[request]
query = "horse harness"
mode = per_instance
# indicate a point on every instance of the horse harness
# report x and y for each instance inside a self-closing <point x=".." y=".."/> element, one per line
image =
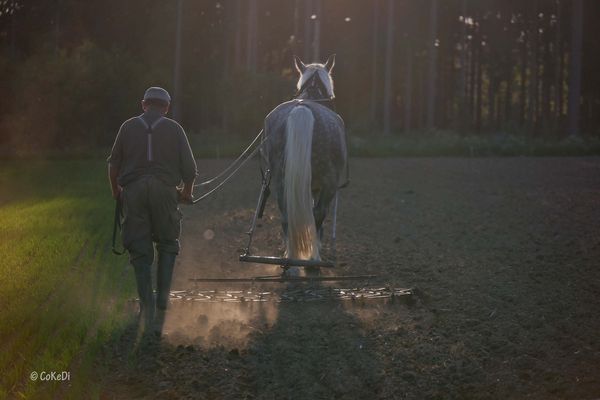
<point x="316" y="91"/>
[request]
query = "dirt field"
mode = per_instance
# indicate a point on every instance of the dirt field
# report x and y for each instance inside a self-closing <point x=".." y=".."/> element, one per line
<point x="502" y="253"/>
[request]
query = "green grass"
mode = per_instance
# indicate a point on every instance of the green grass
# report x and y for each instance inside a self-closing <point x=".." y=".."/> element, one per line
<point x="62" y="292"/>
<point x="217" y="145"/>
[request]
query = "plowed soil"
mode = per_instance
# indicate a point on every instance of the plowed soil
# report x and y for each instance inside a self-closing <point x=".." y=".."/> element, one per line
<point x="503" y="256"/>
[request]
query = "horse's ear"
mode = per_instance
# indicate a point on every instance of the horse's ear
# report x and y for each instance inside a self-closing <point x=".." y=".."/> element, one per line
<point x="299" y="64"/>
<point x="330" y="63"/>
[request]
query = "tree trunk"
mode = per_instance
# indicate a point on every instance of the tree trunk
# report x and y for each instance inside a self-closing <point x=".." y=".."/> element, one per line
<point x="508" y="95"/>
<point x="57" y="28"/>
<point x="13" y="31"/>
<point x="308" y="11"/>
<point x="445" y="91"/>
<point x="533" y="70"/>
<point x="523" y="89"/>
<point x="472" y="76"/>
<point x="238" y="34"/>
<point x="251" y="39"/>
<point x="408" y="89"/>
<point x="432" y="75"/>
<point x="479" y="83"/>
<point x="546" y="119"/>
<point x="575" y="67"/>
<point x="561" y="84"/>
<point x="558" y="53"/>
<point x="316" y="44"/>
<point x="177" y="65"/>
<point x="389" y="52"/>
<point x="492" y="82"/>
<point x="462" y="86"/>
<point x="561" y="74"/>
<point x="229" y="25"/>
<point x="295" y="48"/>
<point x="374" y="54"/>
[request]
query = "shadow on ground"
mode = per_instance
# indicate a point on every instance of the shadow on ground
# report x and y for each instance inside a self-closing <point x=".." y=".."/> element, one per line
<point x="318" y="350"/>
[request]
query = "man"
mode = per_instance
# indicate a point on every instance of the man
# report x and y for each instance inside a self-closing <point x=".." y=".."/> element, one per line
<point x="150" y="158"/>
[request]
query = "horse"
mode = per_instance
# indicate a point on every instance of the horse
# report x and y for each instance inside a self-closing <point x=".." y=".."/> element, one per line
<point x="304" y="148"/>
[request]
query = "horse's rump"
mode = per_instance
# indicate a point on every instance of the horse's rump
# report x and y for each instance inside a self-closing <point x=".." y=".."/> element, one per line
<point x="329" y="151"/>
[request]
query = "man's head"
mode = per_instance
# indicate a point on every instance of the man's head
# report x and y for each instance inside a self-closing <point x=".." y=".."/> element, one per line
<point x="156" y="98"/>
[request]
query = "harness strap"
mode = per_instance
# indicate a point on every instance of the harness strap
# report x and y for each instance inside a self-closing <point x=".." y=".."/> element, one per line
<point x="149" y="129"/>
<point x="312" y="81"/>
<point x="347" y="182"/>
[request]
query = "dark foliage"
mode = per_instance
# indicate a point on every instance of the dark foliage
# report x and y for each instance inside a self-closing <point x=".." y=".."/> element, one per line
<point x="73" y="71"/>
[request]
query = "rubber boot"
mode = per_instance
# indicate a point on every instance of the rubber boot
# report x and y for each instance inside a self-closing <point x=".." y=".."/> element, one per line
<point x="143" y="277"/>
<point x="164" y="274"/>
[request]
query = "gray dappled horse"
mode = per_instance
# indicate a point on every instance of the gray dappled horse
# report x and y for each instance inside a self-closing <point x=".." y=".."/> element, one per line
<point x="305" y="149"/>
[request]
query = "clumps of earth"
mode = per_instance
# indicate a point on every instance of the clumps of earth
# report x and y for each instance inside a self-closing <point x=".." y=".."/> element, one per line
<point x="502" y="254"/>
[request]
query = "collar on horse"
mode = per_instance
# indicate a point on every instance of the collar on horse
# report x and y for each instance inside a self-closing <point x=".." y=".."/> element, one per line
<point x="316" y="91"/>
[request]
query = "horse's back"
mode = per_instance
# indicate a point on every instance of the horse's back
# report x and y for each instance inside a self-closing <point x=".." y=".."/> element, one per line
<point x="328" y="119"/>
<point x="329" y="138"/>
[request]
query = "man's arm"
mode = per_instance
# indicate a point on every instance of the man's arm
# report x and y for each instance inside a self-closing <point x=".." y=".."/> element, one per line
<point x="114" y="162"/>
<point x="189" y="169"/>
<point x="113" y="173"/>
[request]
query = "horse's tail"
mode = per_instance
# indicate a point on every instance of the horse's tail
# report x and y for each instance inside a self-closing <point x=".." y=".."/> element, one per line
<point x="302" y="241"/>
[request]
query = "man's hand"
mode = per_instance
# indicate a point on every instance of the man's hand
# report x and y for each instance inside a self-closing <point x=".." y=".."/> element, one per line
<point x="115" y="188"/>
<point x="185" y="193"/>
<point x="116" y="192"/>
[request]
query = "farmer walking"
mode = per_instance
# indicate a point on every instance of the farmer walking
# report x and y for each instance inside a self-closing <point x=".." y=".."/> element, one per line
<point x="150" y="158"/>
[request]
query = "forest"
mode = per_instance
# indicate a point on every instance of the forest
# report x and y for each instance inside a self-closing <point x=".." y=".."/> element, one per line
<point x="72" y="71"/>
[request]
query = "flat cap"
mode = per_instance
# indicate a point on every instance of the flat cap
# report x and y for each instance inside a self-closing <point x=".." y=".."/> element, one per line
<point x="157" y="93"/>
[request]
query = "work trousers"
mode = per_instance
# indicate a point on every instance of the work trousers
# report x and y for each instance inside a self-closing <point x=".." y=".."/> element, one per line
<point x="151" y="215"/>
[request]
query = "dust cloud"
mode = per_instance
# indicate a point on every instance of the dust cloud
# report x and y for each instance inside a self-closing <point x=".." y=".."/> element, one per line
<point x="217" y="324"/>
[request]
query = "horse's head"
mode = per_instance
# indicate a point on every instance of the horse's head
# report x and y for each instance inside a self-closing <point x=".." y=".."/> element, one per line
<point x="315" y="79"/>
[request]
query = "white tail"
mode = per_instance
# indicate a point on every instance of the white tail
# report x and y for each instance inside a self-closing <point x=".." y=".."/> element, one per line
<point x="302" y="237"/>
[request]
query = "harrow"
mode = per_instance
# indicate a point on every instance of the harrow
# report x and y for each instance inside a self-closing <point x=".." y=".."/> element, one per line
<point x="300" y="295"/>
<point x="283" y="262"/>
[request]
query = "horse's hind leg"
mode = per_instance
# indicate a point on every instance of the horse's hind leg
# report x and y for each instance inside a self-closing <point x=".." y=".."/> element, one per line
<point x="323" y="198"/>
<point x="292" y="271"/>
<point x="278" y="186"/>
<point x="320" y="209"/>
